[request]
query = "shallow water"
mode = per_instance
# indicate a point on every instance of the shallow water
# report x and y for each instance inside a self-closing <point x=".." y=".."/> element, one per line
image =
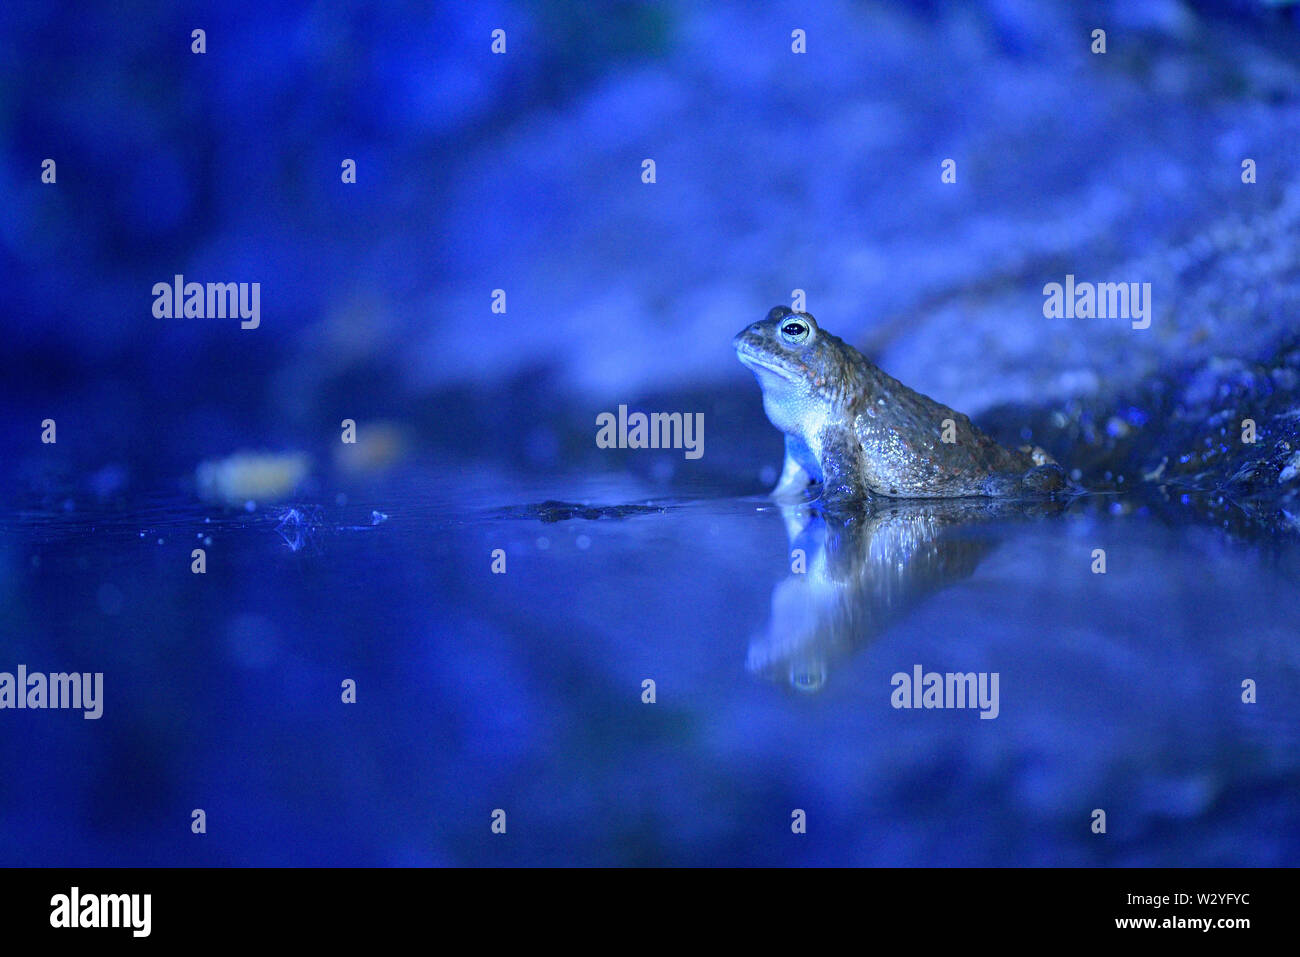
<point x="523" y="691"/>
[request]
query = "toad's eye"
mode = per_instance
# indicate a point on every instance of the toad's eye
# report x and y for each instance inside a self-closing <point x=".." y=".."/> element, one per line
<point x="794" y="331"/>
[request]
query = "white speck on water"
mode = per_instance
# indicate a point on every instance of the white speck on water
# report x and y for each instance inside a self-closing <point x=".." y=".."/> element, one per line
<point x="583" y="542"/>
<point x="543" y="542"/>
<point x="377" y="517"/>
<point x="160" y="541"/>
<point x="250" y="506"/>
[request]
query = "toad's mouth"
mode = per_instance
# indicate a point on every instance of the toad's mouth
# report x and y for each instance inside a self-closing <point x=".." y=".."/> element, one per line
<point x="759" y="361"/>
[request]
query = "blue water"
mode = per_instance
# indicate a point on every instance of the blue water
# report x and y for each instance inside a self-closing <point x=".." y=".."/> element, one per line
<point x="523" y="691"/>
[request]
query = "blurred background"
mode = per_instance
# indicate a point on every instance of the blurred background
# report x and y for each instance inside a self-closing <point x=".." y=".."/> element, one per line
<point x="522" y="171"/>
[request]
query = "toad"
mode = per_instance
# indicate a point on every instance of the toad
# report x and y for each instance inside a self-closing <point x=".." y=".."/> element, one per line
<point x="859" y="432"/>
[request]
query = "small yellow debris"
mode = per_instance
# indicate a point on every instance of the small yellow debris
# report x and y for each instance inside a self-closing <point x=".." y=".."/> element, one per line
<point x="379" y="446"/>
<point x="251" y="476"/>
<point x="1038" y="455"/>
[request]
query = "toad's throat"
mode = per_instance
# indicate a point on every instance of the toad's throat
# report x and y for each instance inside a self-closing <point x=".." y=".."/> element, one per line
<point x="751" y="360"/>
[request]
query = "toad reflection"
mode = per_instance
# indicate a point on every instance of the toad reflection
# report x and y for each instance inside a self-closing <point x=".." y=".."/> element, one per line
<point x="866" y="569"/>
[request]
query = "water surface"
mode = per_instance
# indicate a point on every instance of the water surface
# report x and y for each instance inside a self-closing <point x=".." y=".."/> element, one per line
<point x="523" y="691"/>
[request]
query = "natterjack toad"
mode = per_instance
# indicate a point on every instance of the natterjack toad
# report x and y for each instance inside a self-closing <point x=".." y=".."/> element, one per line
<point x="860" y="432"/>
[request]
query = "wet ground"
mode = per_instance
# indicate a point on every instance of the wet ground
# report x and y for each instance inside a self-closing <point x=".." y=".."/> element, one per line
<point x="523" y="690"/>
